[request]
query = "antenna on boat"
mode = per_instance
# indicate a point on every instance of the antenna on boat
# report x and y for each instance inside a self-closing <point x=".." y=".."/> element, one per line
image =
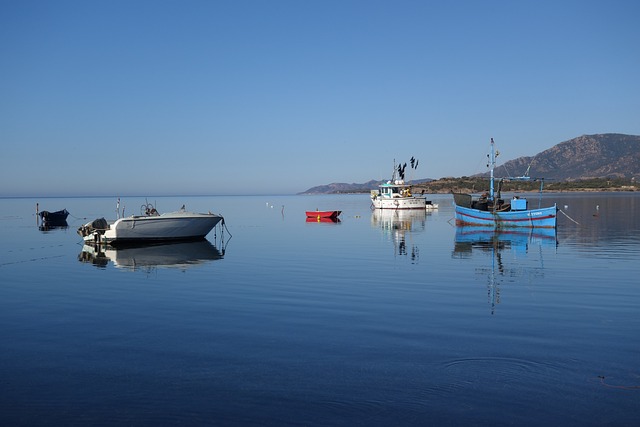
<point x="395" y="170"/>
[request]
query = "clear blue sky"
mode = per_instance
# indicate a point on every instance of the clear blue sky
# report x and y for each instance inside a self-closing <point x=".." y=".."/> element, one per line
<point x="273" y="97"/>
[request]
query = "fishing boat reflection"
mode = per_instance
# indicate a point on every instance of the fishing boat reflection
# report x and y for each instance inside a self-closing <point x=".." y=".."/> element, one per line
<point x="516" y="255"/>
<point x="401" y="226"/>
<point x="169" y="255"/>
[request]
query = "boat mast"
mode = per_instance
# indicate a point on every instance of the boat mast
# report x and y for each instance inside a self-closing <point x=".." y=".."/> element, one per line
<point x="492" y="164"/>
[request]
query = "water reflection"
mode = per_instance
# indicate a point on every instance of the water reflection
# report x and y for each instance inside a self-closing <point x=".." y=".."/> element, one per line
<point x="324" y="220"/>
<point x="525" y="247"/>
<point x="169" y="255"/>
<point x="401" y="226"/>
<point x="52" y="225"/>
<point x="600" y="223"/>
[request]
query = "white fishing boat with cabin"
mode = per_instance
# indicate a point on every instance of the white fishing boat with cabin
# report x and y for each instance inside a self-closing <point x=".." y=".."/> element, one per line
<point x="397" y="194"/>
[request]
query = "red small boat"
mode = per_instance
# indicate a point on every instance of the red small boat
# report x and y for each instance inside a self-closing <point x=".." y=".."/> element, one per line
<point x="323" y="214"/>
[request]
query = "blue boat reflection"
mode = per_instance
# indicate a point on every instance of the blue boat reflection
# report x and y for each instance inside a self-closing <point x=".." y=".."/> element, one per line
<point x="468" y="238"/>
<point x="524" y="245"/>
<point x="170" y="255"/>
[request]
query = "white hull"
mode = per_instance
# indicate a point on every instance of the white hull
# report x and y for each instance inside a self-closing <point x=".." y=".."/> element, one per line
<point x="399" y="203"/>
<point x="166" y="227"/>
<point x="395" y="203"/>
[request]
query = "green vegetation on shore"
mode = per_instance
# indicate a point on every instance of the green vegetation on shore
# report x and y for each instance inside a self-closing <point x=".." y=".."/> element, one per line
<point x="477" y="184"/>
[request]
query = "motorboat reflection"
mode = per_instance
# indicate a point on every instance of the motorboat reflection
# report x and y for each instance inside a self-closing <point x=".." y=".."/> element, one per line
<point x="516" y="254"/>
<point x="161" y="255"/>
<point x="400" y="226"/>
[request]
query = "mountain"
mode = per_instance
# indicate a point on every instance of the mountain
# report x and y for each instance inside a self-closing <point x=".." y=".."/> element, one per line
<point x="341" y="187"/>
<point x="609" y="155"/>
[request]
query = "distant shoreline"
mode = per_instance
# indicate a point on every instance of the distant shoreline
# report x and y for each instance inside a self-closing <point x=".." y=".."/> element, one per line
<point x="469" y="191"/>
<point x="417" y="191"/>
<point x="480" y="184"/>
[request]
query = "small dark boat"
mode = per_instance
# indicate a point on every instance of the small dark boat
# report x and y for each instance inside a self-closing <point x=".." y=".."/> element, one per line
<point x="323" y="214"/>
<point x="52" y="218"/>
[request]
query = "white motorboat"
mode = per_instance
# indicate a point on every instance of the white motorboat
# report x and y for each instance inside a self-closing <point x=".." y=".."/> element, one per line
<point x="151" y="227"/>
<point x="397" y="194"/>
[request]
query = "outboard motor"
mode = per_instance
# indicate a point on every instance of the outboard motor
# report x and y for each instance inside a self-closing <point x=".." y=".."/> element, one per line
<point x="96" y="226"/>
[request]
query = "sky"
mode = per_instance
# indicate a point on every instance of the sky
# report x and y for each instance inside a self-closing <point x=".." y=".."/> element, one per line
<point x="136" y="97"/>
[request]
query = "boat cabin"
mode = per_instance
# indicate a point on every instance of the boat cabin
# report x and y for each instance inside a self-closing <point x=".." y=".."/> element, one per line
<point x="518" y="204"/>
<point x="396" y="189"/>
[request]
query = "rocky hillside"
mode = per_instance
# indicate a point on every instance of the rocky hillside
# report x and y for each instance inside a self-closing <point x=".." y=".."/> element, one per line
<point x="608" y="155"/>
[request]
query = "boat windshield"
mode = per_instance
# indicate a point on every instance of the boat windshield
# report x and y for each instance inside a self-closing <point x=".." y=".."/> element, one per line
<point x="389" y="190"/>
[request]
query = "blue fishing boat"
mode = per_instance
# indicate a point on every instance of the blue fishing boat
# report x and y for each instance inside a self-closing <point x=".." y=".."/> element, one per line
<point x="487" y="210"/>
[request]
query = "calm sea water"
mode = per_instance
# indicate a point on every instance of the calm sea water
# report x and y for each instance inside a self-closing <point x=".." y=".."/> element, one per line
<point x="381" y="319"/>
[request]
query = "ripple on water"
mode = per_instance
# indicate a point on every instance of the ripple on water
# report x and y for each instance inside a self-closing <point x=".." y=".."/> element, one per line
<point x="475" y="371"/>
